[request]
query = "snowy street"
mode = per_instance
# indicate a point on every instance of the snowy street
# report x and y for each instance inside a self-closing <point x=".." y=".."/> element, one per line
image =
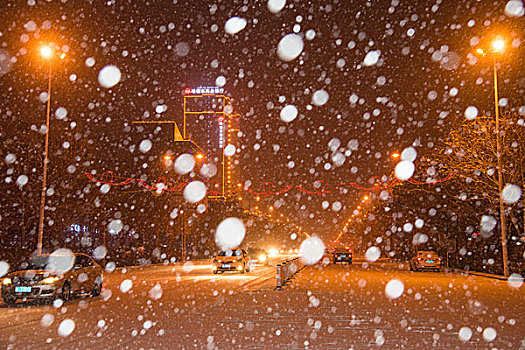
<point x="274" y="174"/>
<point x="324" y="307"/>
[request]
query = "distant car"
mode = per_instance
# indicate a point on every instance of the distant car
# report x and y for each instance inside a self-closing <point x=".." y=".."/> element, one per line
<point x="342" y="255"/>
<point x="53" y="276"/>
<point x="232" y="260"/>
<point x="259" y="256"/>
<point x="425" y="260"/>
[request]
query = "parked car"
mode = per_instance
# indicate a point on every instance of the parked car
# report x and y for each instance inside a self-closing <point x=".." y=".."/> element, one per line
<point x="425" y="260"/>
<point x="342" y="255"/>
<point x="53" y="276"/>
<point x="259" y="256"/>
<point x="232" y="260"/>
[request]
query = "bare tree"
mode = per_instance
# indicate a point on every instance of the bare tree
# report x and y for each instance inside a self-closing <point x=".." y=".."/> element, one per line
<point x="471" y="151"/>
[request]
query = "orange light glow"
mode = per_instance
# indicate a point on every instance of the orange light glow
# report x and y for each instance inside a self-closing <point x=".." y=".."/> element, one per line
<point x="166" y="157"/>
<point x="46" y="51"/>
<point x="395" y="155"/>
<point x="498" y="45"/>
<point x="199" y="156"/>
<point x="480" y="51"/>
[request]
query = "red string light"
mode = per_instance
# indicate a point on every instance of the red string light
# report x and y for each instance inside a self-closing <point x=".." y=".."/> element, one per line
<point x="320" y="187"/>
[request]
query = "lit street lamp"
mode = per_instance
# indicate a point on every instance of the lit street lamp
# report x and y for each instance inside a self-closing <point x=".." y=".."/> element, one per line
<point x="47" y="53"/>
<point x="498" y="46"/>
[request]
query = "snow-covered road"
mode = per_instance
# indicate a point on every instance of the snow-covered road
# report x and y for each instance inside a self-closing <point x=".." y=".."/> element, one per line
<point x="324" y="307"/>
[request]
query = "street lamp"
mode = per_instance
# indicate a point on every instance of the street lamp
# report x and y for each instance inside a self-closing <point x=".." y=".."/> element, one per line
<point x="498" y="46"/>
<point x="47" y="53"/>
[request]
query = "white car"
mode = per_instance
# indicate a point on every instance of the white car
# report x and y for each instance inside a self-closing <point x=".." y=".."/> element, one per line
<point x="232" y="260"/>
<point x="53" y="276"/>
<point x="425" y="260"/>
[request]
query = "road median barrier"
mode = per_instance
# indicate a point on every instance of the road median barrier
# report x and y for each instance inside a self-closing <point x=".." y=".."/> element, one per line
<point x="286" y="270"/>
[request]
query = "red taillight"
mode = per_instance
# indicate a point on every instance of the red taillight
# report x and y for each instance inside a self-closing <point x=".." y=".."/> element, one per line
<point x="419" y="259"/>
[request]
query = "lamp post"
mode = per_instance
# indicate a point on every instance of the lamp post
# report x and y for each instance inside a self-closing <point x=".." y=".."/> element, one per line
<point x="498" y="46"/>
<point x="47" y="53"/>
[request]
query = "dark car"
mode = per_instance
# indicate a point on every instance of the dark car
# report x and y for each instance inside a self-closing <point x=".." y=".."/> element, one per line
<point x="342" y="255"/>
<point x="53" y="276"/>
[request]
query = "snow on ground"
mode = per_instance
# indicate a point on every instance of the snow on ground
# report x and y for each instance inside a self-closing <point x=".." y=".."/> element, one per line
<point x="330" y="307"/>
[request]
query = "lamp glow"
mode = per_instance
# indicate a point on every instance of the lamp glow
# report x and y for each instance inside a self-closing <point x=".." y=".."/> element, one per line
<point x="498" y="45"/>
<point x="46" y="51"/>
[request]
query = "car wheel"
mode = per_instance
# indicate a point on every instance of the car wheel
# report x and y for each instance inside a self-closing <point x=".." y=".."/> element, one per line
<point x="243" y="269"/>
<point x="215" y="272"/>
<point x="97" y="289"/>
<point x="66" y="292"/>
<point x="10" y="301"/>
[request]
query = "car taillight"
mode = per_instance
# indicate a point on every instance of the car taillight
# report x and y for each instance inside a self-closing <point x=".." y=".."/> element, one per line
<point x="419" y="259"/>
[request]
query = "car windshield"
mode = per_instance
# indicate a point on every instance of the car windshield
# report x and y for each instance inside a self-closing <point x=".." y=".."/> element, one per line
<point x="38" y="263"/>
<point x="47" y="262"/>
<point x="341" y="251"/>
<point x="165" y="144"/>
<point x="236" y="252"/>
<point x="428" y="254"/>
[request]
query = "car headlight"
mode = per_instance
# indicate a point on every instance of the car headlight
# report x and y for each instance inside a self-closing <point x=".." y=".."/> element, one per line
<point x="50" y="280"/>
<point x="6" y="281"/>
<point x="262" y="257"/>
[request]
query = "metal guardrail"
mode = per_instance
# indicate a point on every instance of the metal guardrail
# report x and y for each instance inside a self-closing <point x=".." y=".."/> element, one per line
<point x="286" y="270"/>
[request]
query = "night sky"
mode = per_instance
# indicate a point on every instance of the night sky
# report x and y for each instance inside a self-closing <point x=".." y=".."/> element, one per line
<point x="425" y="78"/>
